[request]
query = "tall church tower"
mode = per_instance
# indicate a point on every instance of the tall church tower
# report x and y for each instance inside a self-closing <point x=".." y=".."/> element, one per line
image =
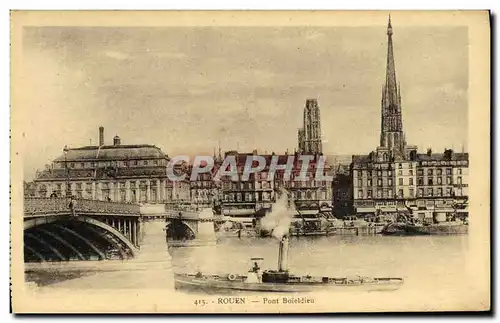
<point x="310" y="135"/>
<point x="391" y="134"/>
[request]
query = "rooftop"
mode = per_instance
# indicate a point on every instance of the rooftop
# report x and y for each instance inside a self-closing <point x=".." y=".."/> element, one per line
<point x="112" y="152"/>
<point x="420" y="157"/>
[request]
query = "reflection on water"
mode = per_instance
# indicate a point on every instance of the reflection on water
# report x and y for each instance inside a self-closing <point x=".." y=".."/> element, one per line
<point x="426" y="262"/>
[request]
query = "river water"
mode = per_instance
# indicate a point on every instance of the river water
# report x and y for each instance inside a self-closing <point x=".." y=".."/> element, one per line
<point x="425" y="262"/>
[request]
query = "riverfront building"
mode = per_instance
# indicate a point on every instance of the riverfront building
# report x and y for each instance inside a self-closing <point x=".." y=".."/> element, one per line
<point x="245" y="198"/>
<point x="204" y="191"/>
<point x="117" y="172"/>
<point x="396" y="178"/>
<point x="255" y="195"/>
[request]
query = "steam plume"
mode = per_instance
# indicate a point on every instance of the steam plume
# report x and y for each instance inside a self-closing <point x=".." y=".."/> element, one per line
<point x="279" y="219"/>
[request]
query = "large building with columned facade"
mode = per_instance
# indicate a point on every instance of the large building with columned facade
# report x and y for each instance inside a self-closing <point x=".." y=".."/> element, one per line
<point x="116" y="172"/>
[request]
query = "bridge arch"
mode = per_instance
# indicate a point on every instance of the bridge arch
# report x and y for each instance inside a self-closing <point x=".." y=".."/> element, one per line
<point x="180" y="229"/>
<point x="61" y="233"/>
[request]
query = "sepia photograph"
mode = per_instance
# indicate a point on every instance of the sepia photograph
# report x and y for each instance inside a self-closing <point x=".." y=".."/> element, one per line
<point x="250" y="162"/>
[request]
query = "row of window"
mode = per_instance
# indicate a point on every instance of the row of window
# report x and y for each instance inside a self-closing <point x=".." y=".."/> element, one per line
<point x="420" y="181"/>
<point x="121" y="196"/>
<point x="247" y="197"/>
<point x="411" y="193"/>
<point x="439" y="181"/>
<point x="88" y="186"/>
<point x="124" y="163"/>
<point x="266" y="196"/>
<point x="202" y="184"/>
<point x="380" y="182"/>
<point x="420" y="172"/>
<point x="268" y="185"/>
<point x="445" y="162"/>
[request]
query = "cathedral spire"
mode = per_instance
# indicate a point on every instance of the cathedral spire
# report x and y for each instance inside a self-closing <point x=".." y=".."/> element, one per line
<point x="391" y="136"/>
<point x="390" y="78"/>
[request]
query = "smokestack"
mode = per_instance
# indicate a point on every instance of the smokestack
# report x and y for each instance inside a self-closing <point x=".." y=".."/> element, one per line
<point x="283" y="254"/>
<point x="101" y="136"/>
<point x="116" y="141"/>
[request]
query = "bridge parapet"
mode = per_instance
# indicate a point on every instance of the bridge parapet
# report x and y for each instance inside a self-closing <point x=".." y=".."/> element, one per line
<point x="60" y="205"/>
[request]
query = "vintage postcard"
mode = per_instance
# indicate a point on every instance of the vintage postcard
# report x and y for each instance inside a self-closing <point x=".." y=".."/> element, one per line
<point x="250" y="162"/>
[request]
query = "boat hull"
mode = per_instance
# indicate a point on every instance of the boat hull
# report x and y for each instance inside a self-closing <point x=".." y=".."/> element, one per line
<point x="403" y="229"/>
<point x="184" y="281"/>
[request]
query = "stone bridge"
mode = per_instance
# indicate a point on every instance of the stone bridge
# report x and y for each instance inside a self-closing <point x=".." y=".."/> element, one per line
<point x="59" y="229"/>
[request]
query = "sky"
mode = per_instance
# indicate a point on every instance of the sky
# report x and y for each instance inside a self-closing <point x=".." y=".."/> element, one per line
<point x="186" y="89"/>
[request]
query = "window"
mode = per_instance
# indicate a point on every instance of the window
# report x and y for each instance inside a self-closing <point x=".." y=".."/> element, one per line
<point x="360" y="173"/>
<point x="156" y="162"/>
<point x="420" y="192"/>
<point x="459" y="171"/>
<point x="412" y="192"/>
<point x="411" y="180"/>
<point x="449" y="191"/>
<point x="460" y="192"/>
<point x="379" y="182"/>
<point x="400" y="173"/>
<point x="370" y="182"/>
<point x="430" y="181"/>
<point x="400" y="193"/>
<point x="389" y="173"/>
<point x="448" y="171"/>
<point x="379" y="193"/>
<point x="134" y="162"/>
<point x="400" y="181"/>
<point x="82" y="165"/>
<point x="145" y="163"/>
<point x="411" y="172"/>
<point x="429" y="172"/>
<point x="439" y="172"/>
<point x="72" y="165"/>
<point x="459" y="180"/>
<point x="369" y="195"/>
<point x="360" y="182"/>
<point x="389" y="193"/>
<point x="440" y="192"/>
<point x="429" y="191"/>
<point x="400" y="166"/>
<point x="390" y="182"/>
<point x="439" y="181"/>
<point x="448" y="180"/>
<point x="420" y="181"/>
<point x="369" y="173"/>
<point x="379" y="173"/>
<point x="420" y="172"/>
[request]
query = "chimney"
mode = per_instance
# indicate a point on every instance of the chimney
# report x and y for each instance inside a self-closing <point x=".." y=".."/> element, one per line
<point x="117" y="141"/>
<point x="448" y="154"/>
<point x="429" y="152"/>
<point x="283" y="254"/>
<point x="101" y="136"/>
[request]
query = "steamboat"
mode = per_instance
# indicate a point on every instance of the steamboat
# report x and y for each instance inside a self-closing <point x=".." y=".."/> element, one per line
<point x="280" y="280"/>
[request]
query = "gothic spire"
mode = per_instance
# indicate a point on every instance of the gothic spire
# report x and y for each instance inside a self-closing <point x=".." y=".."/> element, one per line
<point x="391" y="135"/>
<point x="390" y="80"/>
